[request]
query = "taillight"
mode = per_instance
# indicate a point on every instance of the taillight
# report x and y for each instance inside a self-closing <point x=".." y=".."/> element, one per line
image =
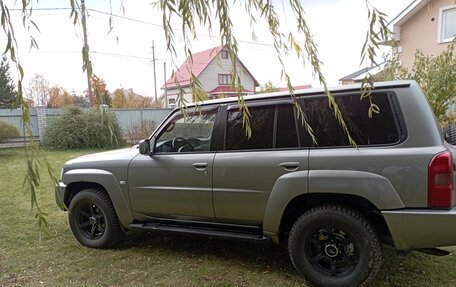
<point x="440" y="181"/>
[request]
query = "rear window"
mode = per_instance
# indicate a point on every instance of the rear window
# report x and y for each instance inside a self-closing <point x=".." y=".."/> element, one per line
<point x="381" y="129"/>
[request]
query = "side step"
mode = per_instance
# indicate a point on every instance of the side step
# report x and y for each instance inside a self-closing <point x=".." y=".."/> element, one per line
<point x="200" y="231"/>
<point x="434" y="251"/>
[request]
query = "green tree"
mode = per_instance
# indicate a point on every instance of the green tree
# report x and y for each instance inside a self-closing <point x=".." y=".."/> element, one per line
<point x="268" y="87"/>
<point x="7" y="89"/>
<point x="436" y="76"/>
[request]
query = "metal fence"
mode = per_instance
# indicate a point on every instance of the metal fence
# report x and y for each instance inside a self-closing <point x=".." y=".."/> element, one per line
<point x="14" y="117"/>
<point x="131" y="117"/>
<point x="128" y="118"/>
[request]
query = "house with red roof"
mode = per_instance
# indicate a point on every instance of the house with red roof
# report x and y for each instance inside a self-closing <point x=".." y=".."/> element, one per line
<point x="212" y="69"/>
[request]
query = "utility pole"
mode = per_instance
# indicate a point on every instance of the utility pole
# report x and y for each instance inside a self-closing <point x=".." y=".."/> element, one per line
<point x="86" y="47"/>
<point x="155" y="74"/>
<point x="166" y="92"/>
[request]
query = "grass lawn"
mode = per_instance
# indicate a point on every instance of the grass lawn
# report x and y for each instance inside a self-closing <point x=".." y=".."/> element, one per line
<point x="52" y="257"/>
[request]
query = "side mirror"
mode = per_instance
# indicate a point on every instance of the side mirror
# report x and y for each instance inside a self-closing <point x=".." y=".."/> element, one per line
<point x="144" y="147"/>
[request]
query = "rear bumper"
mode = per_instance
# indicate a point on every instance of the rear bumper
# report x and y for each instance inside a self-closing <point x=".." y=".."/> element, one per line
<point x="421" y="228"/>
<point x="59" y="195"/>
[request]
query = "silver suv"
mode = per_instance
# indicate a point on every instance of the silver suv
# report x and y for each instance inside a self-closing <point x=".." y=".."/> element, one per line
<point x="335" y="205"/>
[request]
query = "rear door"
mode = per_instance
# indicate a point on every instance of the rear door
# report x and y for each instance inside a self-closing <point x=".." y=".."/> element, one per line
<point x="246" y="169"/>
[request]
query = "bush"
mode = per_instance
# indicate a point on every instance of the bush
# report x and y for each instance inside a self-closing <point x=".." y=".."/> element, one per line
<point x="76" y="129"/>
<point x="7" y="131"/>
<point x="140" y="130"/>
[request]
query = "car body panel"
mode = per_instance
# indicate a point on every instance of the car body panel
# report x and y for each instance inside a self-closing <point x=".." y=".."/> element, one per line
<point x="242" y="186"/>
<point x="403" y="172"/>
<point x="418" y="228"/>
<point x="170" y="186"/>
<point x="286" y="188"/>
<point x="109" y="182"/>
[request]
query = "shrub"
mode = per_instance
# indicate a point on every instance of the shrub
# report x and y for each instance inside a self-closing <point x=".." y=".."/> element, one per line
<point x="140" y="130"/>
<point x="76" y="129"/>
<point x="7" y="131"/>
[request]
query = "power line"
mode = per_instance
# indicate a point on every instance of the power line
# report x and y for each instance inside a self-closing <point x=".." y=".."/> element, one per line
<point x="143" y="22"/>
<point x="125" y="18"/>
<point x="43" y="9"/>
<point x="47" y="14"/>
<point x="122" y="55"/>
<point x="161" y="26"/>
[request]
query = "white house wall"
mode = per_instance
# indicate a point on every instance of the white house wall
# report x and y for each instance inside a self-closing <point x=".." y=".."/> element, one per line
<point x="209" y="77"/>
<point x="173" y="93"/>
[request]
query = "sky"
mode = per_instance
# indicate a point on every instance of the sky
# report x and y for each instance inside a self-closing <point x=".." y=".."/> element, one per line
<point x="123" y="57"/>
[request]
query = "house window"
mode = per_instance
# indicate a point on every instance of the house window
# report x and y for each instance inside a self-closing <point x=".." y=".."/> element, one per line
<point x="224" y="79"/>
<point x="224" y="54"/>
<point x="447" y="25"/>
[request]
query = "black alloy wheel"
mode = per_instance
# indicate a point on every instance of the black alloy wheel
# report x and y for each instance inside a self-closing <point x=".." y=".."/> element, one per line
<point x="333" y="246"/>
<point x="332" y="251"/>
<point x="93" y="219"/>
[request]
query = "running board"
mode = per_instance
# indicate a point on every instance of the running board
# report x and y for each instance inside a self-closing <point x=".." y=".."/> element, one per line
<point x="200" y="231"/>
<point x="434" y="251"/>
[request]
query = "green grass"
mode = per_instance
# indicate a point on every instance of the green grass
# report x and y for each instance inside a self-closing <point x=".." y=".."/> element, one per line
<point x="52" y="257"/>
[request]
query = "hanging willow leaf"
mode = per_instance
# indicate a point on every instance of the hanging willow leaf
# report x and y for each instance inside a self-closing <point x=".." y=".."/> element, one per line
<point x="32" y="150"/>
<point x="191" y="14"/>
<point x="377" y="33"/>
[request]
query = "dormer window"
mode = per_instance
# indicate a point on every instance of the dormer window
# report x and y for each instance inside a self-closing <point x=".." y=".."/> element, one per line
<point x="224" y="54"/>
<point x="447" y="23"/>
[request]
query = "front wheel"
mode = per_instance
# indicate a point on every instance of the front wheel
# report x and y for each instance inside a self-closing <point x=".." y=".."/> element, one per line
<point x="93" y="219"/>
<point x="333" y="245"/>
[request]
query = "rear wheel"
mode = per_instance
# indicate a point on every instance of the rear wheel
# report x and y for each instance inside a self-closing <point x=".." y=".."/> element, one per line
<point x="332" y="245"/>
<point x="93" y="219"/>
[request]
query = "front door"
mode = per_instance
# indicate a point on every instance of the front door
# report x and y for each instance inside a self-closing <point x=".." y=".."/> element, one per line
<point x="175" y="181"/>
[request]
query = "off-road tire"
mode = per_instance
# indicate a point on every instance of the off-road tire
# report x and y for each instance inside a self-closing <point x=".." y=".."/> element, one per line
<point x="93" y="219"/>
<point x="349" y="224"/>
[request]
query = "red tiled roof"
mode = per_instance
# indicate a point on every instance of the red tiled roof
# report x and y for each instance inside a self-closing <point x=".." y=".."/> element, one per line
<point x="193" y="65"/>
<point x="227" y="89"/>
<point x="301" y="87"/>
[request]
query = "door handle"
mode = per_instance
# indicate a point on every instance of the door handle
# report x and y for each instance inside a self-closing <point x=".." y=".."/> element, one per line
<point x="290" y="166"/>
<point x="200" y="166"/>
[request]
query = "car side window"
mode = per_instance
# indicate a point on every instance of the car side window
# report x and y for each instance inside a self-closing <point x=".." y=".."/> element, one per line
<point x="187" y="134"/>
<point x="287" y="134"/>
<point x="379" y="129"/>
<point x="272" y="126"/>
<point x="261" y="123"/>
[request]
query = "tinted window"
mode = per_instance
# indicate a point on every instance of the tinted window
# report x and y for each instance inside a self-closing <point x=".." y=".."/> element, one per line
<point x="261" y="123"/>
<point x="286" y="127"/>
<point x="380" y="129"/>
<point x="187" y="134"/>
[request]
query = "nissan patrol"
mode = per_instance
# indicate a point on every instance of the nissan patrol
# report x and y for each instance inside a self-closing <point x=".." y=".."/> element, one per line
<point x="332" y="203"/>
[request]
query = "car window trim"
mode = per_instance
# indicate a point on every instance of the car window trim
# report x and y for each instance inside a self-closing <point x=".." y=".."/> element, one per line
<point x="275" y="103"/>
<point x="177" y="112"/>
<point x="395" y="110"/>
